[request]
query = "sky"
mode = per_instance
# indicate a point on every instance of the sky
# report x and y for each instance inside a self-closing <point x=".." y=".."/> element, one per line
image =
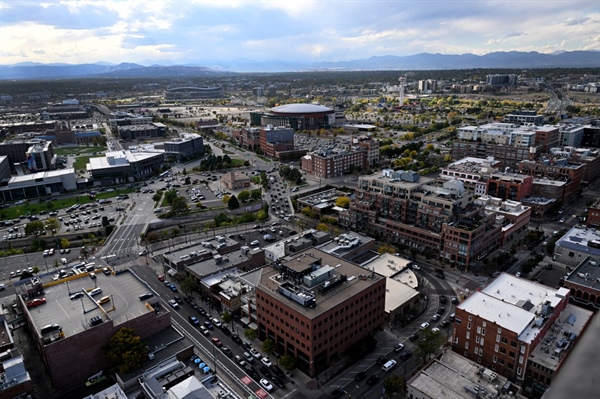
<point x="184" y="31"/>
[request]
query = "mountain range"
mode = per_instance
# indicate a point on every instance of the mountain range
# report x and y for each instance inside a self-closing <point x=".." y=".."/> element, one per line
<point x="424" y="61"/>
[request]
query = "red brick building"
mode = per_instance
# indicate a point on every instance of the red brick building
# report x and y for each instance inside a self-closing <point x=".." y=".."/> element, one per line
<point x="556" y="170"/>
<point x="276" y="139"/>
<point x="315" y="306"/>
<point x="500" y="325"/>
<point x="546" y="137"/>
<point x="593" y="217"/>
<point x="509" y="186"/>
<point x="334" y="164"/>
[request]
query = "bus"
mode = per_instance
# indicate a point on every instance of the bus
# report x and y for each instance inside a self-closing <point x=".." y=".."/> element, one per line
<point x="165" y="174"/>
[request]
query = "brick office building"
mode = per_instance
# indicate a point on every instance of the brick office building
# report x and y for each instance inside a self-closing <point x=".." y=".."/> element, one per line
<point x="315" y="306"/>
<point x="500" y="325"/>
<point x="333" y="164"/>
<point x="509" y="186"/>
<point x="276" y="139"/>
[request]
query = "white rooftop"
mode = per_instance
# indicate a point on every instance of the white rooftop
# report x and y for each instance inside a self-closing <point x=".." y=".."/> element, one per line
<point x="512" y="303"/>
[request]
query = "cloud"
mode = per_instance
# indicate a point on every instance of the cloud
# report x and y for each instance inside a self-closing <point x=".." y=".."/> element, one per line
<point x="295" y="30"/>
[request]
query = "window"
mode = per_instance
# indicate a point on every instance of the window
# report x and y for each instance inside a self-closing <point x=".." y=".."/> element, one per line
<point x="499" y="330"/>
<point x="504" y="340"/>
<point x="466" y="345"/>
<point x="498" y="338"/>
<point x="469" y="325"/>
<point x="478" y="330"/>
<point x="483" y="331"/>
<point x="468" y="336"/>
<point x="495" y="359"/>
<point x="522" y="348"/>
<point x="477" y="339"/>
<point x="520" y="359"/>
<point x="511" y="354"/>
<point x="496" y="348"/>
<point x="483" y="324"/>
<point x="503" y="351"/>
<point x="470" y="318"/>
<point x="513" y="344"/>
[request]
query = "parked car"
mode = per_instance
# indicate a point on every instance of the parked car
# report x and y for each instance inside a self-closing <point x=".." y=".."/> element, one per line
<point x="194" y="321"/>
<point x="173" y="303"/>
<point x="217" y="342"/>
<point x="36" y="302"/>
<point x="406" y="355"/>
<point x="266" y="362"/>
<point x="399" y="347"/>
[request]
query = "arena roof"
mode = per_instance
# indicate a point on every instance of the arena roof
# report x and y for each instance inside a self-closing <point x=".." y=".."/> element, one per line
<point x="301" y="109"/>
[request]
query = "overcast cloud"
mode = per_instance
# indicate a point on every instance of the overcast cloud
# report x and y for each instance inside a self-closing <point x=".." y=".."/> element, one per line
<point x="172" y="31"/>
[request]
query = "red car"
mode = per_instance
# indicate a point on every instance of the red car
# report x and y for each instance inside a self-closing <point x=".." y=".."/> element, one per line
<point x="36" y="302"/>
<point x="216" y="341"/>
<point x="161" y="278"/>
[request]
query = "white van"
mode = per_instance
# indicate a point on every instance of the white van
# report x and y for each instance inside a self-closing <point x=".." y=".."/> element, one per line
<point x="389" y="365"/>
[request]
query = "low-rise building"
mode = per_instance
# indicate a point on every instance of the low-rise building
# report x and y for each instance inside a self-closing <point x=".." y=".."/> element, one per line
<point x="35" y="185"/>
<point x="583" y="282"/>
<point x="184" y="147"/>
<point x="124" y="166"/>
<point x="513" y="215"/>
<point x="142" y="131"/>
<point x="275" y="139"/>
<point x="576" y="245"/>
<point x="235" y="180"/>
<point x="509" y="186"/>
<point x="449" y="375"/>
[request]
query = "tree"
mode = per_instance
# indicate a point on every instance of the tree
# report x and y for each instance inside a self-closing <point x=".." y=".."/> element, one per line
<point x="170" y="195"/>
<point x="53" y="225"/>
<point x="288" y="362"/>
<point x="394" y="383"/>
<point x="32" y="227"/>
<point x="268" y="346"/>
<point x="64" y="243"/>
<point x="343" y="202"/>
<point x="233" y="202"/>
<point x="429" y="344"/>
<point x="250" y="334"/>
<point x="125" y="350"/>
<point x="188" y="180"/>
<point x="188" y="285"/>
<point x="226" y="199"/>
<point x="244" y="196"/>
<point x="179" y="206"/>
<point x="256" y="194"/>
<point x="105" y="221"/>
<point x="227" y="318"/>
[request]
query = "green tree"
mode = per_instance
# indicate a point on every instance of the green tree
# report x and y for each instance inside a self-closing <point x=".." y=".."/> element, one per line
<point x="227" y="318"/>
<point x="268" y="346"/>
<point x="105" y="221"/>
<point x="244" y="196"/>
<point x="179" y="206"/>
<point x="188" y="180"/>
<point x="233" y="203"/>
<point x="288" y="362"/>
<point x="64" y="243"/>
<point x="226" y="199"/>
<point x="52" y="225"/>
<point x="250" y="334"/>
<point x="170" y="195"/>
<point x="125" y="350"/>
<point x="429" y="344"/>
<point x="256" y="194"/>
<point x="188" y="285"/>
<point x="32" y="227"/>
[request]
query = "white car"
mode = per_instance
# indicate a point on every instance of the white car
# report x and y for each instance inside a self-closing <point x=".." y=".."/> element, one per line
<point x="435" y="330"/>
<point x="173" y="303"/>
<point x="424" y="326"/>
<point x="254" y="353"/>
<point x="266" y="384"/>
<point x="266" y="362"/>
<point x="216" y="322"/>
<point x="416" y="267"/>
<point x="63" y="261"/>
<point x="255" y="243"/>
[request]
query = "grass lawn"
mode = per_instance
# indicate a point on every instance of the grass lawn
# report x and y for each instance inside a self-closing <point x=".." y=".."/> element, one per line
<point x="30" y="208"/>
<point x="78" y="150"/>
<point x="80" y="162"/>
<point x="237" y="163"/>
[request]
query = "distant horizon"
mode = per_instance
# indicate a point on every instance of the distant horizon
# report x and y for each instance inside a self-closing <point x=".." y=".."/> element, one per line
<point x="298" y="31"/>
<point x="149" y="63"/>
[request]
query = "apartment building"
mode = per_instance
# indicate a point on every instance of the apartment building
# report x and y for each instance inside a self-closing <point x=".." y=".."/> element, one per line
<point x="326" y="164"/>
<point x="315" y="306"/>
<point x="473" y="172"/>
<point x="524" y="117"/>
<point x="370" y="146"/>
<point x="403" y="208"/>
<point x="501" y="325"/>
<point x="546" y="137"/>
<point x="508" y="155"/>
<point x="558" y="170"/>
<point x="583" y="282"/>
<point x="142" y="131"/>
<point x="513" y="215"/>
<point x="593" y="216"/>
<point x="509" y="186"/>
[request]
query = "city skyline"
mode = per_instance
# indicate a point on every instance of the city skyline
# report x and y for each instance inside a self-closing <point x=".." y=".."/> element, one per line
<point x="169" y="32"/>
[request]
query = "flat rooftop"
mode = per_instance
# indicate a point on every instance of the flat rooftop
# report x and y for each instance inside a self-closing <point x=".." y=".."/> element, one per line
<point x="572" y="320"/>
<point x="450" y="376"/>
<point x="578" y="239"/>
<point x="73" y="316"/>
<point x="358" y="279"/>
<point x="345" y="243"/>
<point x="587" y="274"/>
<point x="512" y="303"/>
<point x="42" y="175"/>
